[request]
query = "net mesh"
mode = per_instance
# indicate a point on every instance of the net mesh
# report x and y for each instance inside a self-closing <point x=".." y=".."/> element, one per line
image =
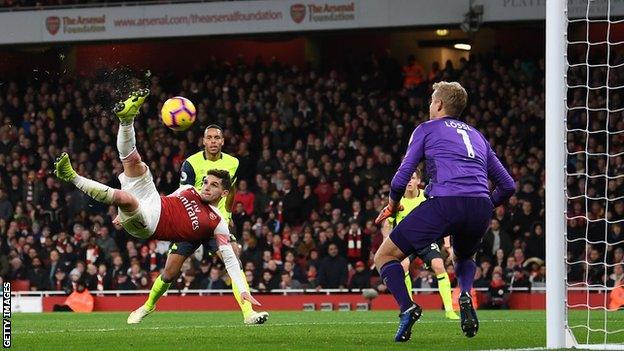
<point x="595" y="171"/>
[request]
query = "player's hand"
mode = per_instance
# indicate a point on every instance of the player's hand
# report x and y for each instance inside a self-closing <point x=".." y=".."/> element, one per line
<point x="245" y="296"/>
<point x="390" y="209"/>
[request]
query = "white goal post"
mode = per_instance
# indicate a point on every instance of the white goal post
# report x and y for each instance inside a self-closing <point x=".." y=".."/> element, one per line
<point x="594" y="75"/>
<point x="556" y="27"/>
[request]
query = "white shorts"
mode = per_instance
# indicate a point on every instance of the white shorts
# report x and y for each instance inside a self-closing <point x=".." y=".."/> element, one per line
<point x="142" y="223"/>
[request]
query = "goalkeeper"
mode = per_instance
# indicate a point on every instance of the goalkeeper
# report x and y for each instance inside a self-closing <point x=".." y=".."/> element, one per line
<point x="431" y="254"/>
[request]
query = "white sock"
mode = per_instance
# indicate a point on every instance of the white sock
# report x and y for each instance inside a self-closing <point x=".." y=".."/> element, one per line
<point x="126" y="142"/>
<point x="98" y="191"/>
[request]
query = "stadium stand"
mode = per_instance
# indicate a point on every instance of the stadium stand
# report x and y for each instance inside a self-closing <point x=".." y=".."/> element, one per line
<point x="317" y="150"/>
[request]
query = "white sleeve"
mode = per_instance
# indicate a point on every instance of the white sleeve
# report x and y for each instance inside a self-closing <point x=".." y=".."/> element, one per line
<point x="222" y="229"/>
<point x="232" y="267"/>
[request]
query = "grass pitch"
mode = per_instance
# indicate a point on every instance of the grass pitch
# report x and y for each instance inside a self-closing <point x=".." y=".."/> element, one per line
<point x="288" y="331"/>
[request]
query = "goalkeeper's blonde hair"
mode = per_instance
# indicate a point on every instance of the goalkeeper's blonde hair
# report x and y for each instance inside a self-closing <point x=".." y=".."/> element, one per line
<point x="453" y="96"/>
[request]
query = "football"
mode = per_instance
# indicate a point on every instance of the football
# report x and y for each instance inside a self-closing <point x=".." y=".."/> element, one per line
<point x="178" y="113"/>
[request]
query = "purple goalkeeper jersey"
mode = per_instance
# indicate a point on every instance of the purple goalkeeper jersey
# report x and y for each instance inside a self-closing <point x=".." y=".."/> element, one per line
<point x="458" y="161"/>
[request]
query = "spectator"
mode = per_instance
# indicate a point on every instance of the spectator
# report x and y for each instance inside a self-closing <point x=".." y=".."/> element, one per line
<point x="245" y="197"/>
<point x="361" y="278"/>
<point x="617" y="276"/>
<point x="6" y="207"/>
<point x="122" y="281"/>
<point x="18" y="271"/>
<point x="494" y="239"/>
<point x="4" y="265"/>
<point x="204" y="271"/>
<point x="292" y="201"/>
<point x="425" y="280"/>
<point x="250" y="277"/>
<point x="536" y="243"/>
<point x="214" y="281"/>
<point x="288" y="282"/>
<point x="498" y="292"/>
<point x="267" y="282"/>
<point x="333" y="270"/>
<point x="480" y="281"/>
<point x="90" y="277"/>
<point x="38" y="275"/>
<point x="189" y="280"/>
<point x="105" y="242"/>
<point x="292" y="268"/>
<point x="413" y="73"/>
<point x="60" y="282"/>
<point x="74" y="276"/>
<point x="138" y="276"/>
<point x="239" y="217"/>
<point x="103" y="278"/>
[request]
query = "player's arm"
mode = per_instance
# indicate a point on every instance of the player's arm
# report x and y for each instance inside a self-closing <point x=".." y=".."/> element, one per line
<point x="232" y="266"/>
<point x="414" y="154"/>
<point x="187" y="174"/>
<point x="504" y="183"/>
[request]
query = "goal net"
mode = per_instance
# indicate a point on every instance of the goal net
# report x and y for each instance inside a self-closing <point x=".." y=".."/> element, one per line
<point x="585" y="306"/>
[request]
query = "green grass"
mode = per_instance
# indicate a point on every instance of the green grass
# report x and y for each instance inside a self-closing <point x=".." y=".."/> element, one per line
<point x="284" y="331"/>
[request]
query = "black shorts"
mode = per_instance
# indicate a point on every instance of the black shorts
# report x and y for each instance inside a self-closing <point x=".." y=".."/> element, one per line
<point x="427" y="254"/>
<point x="187" y="248"/>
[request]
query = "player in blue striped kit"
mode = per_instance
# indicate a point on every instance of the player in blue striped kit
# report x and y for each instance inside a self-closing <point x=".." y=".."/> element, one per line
<point x="459" y="161"/>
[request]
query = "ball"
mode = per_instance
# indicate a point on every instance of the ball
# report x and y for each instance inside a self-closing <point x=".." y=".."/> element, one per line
<point x="178" y="113"/>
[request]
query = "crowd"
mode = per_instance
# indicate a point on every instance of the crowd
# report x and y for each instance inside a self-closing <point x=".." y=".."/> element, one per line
<point x="317" y="150"/>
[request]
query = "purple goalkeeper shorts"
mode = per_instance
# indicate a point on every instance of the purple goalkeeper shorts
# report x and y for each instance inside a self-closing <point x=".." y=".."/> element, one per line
<point x="466" y="219"/>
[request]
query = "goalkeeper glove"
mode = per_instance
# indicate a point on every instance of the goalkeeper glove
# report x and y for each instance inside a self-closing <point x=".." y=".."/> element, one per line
<point x="390" y="209"/>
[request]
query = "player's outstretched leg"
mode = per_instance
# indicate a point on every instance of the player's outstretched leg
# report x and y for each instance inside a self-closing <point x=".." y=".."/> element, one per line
<point x="465" y="270"/>
<point x="98" y="191"/>
<point x="126" y="111"/>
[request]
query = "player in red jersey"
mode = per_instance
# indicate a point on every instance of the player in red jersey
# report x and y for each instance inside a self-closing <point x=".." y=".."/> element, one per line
<point x="185" y="215"/>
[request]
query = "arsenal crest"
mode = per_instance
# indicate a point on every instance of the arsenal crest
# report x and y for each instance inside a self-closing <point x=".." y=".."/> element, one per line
<point x="297" y="12"/>
<point x="53" y="24"/>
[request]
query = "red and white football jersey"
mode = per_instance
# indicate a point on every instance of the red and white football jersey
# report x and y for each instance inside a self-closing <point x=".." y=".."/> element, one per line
<point x="184" y="217"/>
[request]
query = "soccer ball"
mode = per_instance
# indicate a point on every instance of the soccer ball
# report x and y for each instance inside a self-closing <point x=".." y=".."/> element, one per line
<point x="178" y="113"/>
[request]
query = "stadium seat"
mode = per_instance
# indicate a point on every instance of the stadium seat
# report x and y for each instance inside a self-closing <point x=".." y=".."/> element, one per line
<point x="20" y="285"/>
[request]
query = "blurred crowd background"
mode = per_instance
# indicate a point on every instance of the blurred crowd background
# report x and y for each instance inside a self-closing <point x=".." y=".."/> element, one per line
<point x="317" y="151"/>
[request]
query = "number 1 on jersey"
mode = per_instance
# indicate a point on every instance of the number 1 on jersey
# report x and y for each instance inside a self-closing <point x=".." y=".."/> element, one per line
<point x="469" y="147"/>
